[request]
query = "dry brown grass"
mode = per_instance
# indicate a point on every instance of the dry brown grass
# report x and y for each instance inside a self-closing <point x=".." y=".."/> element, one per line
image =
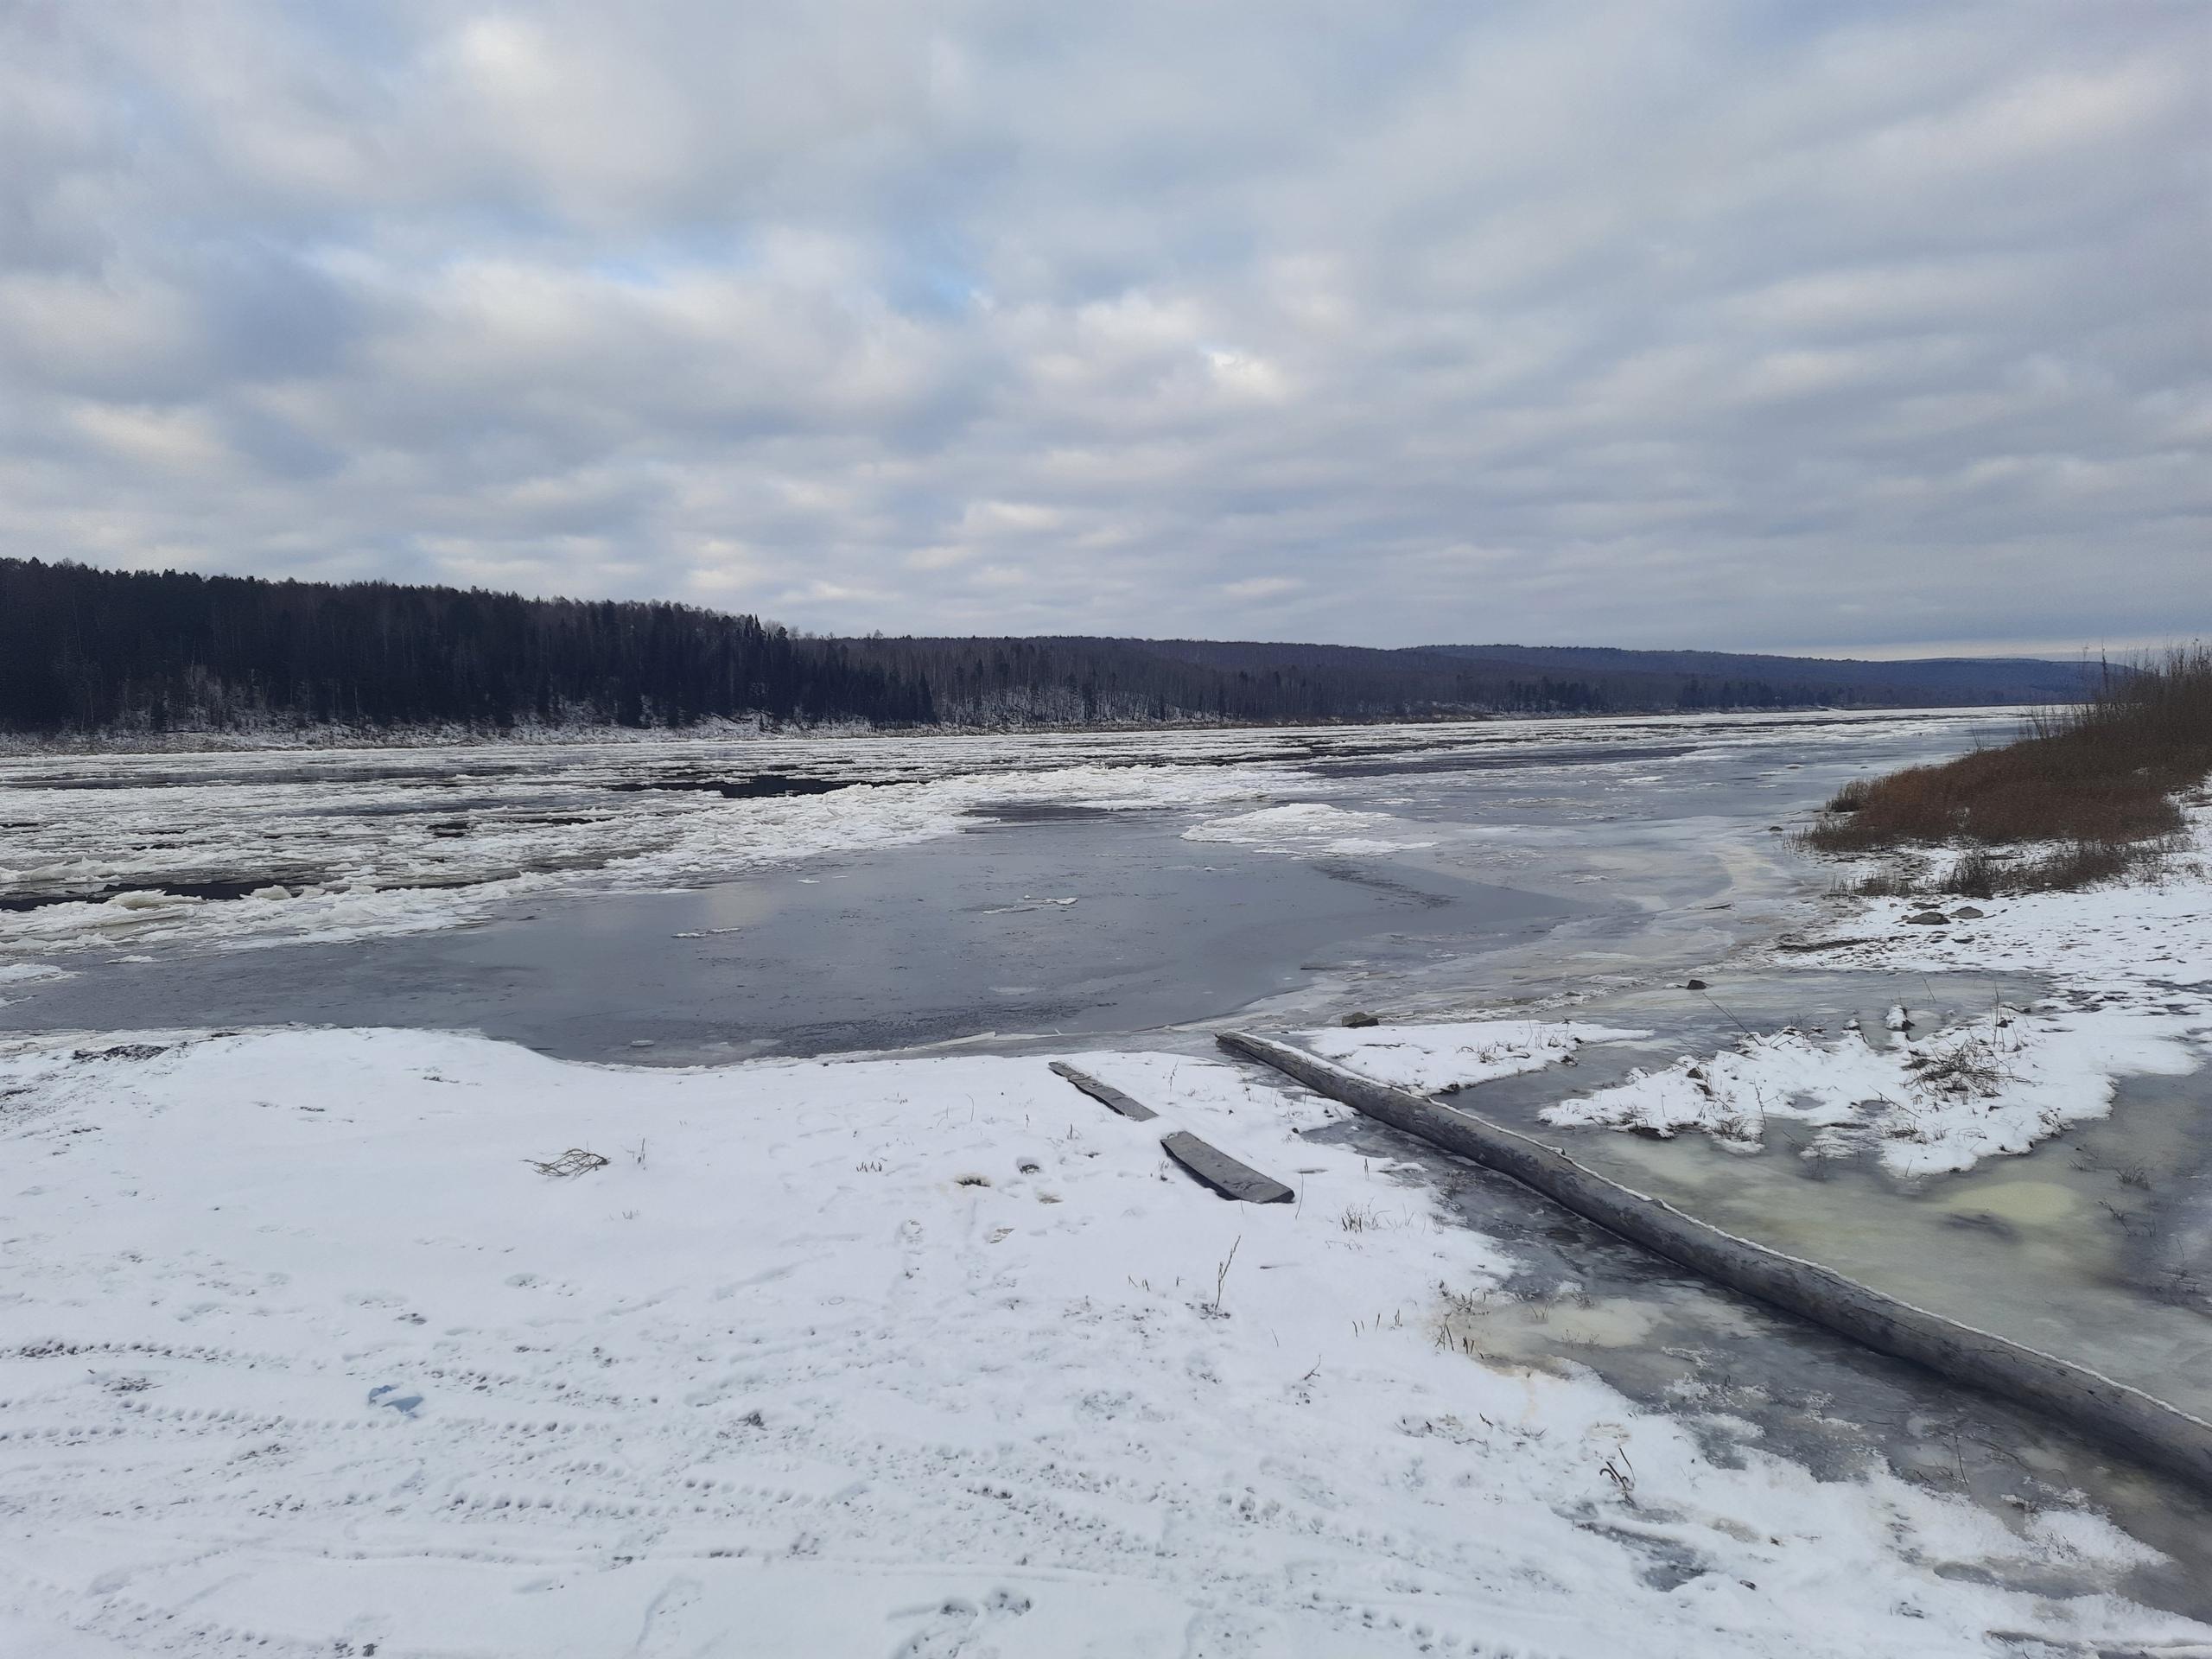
<point x="2098" y="779"/>
<point x="1985" y="875"/>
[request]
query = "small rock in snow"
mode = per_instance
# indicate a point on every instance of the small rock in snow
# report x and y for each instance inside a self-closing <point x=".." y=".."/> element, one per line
<point x="1929" y="918"/>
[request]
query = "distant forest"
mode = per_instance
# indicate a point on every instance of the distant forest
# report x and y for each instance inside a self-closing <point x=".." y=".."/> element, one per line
<point x="1049" y="681"/>
<point x="88" y="651"/>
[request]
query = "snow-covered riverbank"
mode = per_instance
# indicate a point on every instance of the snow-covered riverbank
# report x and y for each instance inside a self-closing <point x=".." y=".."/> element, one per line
<point x="925" y="1357"/>
<point x="1937" y="1088"/>
<point x="2129" y="968"/>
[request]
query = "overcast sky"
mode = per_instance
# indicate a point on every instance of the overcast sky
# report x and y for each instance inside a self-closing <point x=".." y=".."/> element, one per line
<point x="1847" y="327"/>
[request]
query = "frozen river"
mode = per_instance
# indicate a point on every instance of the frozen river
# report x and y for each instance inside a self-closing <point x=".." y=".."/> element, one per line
<point x="668" y="902"/>
<point x="714" y="899"/>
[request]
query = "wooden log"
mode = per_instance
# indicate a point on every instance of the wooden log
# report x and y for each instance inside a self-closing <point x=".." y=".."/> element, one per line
<point x="2115" y="1412"/>
<point x="1105" y="1092"/>
<point x="1217" y="1169"/>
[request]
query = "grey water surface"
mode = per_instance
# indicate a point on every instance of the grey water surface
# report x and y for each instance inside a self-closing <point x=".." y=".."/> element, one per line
<point x="1556" y="861"/>
<point x="947" y="940"/>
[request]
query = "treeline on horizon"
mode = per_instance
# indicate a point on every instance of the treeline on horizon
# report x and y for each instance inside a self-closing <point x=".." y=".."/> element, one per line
<point x="84" y="650"/>
<point x="87" y="652"/>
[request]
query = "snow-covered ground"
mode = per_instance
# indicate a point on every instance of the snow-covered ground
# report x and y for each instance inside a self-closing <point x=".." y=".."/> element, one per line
<point x="2129" y="965"/>
<point x="2145" y="943"/>
<point x="1991" y="1084"/>
<point x="300" y="1354"/>
<point x="1457" y="1054"/>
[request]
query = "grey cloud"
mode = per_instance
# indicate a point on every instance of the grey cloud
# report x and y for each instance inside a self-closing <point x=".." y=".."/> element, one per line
<point x="1688" y="323"/>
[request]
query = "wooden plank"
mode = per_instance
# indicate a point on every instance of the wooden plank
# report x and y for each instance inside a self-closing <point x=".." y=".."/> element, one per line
<point x="1212" y="1166"/>
<point x="1217" y="1170"/>
<point x="1105" y="1092"/>
<point x="2155" y="1430"/>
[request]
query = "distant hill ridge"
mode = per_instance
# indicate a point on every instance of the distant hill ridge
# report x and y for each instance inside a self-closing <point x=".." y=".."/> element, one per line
<point x="1963" y="671"/>
<point x="84" y="650"/>
<point x="1074" y="678"/>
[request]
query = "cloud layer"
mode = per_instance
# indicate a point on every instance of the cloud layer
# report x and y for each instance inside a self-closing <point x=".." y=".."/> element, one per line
<point x="1845" y="328"/>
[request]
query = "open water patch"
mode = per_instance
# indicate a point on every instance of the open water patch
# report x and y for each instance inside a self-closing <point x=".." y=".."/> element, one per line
<point x="756" y="786"/>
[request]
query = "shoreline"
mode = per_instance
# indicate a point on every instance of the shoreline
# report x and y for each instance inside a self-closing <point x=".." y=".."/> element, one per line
<point x="17" y="746"/>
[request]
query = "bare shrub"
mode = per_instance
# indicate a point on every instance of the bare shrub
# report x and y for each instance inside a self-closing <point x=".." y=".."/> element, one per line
<point x="575" y="1161"/>
<point x="1975" y="876"/>
<point x="1852" y="796"/>
<point x="1973" y="1065"/>
<point x="1894" y="881"/>
<point x="1221" y="1278"/>
<point x="1619" y="1470"/>
<point x="2083" y="862"/>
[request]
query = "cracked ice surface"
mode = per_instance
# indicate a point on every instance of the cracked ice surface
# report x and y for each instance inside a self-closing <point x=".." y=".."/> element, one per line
<point x="347" y="844"/>
<point x="385" y="847"/>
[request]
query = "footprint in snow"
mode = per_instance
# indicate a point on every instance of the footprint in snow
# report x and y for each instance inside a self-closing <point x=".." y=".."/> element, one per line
<point x="389" y="1394"/>
<point x="956" y="1623"/>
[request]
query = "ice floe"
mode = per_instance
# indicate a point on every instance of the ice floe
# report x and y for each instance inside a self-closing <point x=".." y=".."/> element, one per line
<point x="1988" y="1086"/>
<point x="1455" y="1055"/>
<point x="1312" y="827"/>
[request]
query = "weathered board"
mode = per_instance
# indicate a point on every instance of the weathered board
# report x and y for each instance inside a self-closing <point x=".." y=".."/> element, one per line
<point x="1105" y="1092"/>
<point x="2161" y="1433"/>
<point x="1217" y="1170"/>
